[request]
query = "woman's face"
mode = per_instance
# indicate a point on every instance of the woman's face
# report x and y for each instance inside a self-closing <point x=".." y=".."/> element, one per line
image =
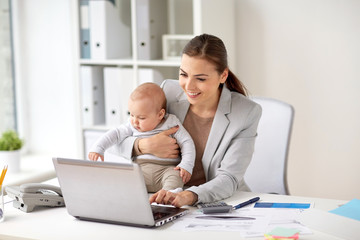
<point x="200" y="80"/>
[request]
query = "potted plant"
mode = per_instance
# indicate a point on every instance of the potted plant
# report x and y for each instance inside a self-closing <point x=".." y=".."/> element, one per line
<point x="10" y="145"/>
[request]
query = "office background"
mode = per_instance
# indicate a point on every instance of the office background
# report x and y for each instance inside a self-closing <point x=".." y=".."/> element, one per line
<point x="306" y="53"/>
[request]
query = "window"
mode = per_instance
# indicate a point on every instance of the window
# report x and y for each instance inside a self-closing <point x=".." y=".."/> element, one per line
<point x="7" y="87"/>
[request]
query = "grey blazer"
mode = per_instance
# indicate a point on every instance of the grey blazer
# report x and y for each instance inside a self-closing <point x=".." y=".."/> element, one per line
<point x="230" y="145"/>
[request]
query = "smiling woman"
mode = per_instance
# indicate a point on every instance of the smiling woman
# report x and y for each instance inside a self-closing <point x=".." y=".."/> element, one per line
<point x="212" y="105"/>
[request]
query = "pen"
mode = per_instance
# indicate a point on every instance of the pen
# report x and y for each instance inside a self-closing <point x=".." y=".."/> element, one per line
<point x="3" y="173"/>
<point x="247" y="203"/>
<point x="225" y="218"/>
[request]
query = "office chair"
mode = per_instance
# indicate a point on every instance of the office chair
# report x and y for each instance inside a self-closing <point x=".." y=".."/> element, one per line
<point x="267" y="170"/>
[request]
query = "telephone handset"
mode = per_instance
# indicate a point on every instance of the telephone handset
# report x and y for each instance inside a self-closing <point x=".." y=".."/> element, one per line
<point x="29" y="195"/>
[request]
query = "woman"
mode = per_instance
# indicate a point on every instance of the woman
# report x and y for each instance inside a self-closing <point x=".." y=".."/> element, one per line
<point x="212" y="104"/>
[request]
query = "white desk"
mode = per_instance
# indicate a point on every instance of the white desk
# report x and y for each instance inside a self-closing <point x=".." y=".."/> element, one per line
<point x="56" y="223"/>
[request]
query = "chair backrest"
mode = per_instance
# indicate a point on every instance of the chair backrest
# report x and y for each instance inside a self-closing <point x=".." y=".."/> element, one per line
<point x="267" y="170"/>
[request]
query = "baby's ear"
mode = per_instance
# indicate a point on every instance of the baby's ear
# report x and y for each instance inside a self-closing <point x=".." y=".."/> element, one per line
<point x="162" y="113"/>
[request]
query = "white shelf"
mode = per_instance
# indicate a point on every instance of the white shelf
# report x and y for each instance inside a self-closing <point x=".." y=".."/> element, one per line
<point x="131" y="62"/>
<point x="185" y="17"/>
<point x="158" y="63"/>
<point x="97" y="128"/>
<point x="108" y="62"/>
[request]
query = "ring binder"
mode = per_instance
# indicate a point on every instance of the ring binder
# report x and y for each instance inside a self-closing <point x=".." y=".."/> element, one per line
<point x="92" y="92"/>
<point x="110" y="34"/>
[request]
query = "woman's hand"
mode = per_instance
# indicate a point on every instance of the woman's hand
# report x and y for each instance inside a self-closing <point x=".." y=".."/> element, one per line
<point x="176" y="199"/>
<point x="161" y="144"/>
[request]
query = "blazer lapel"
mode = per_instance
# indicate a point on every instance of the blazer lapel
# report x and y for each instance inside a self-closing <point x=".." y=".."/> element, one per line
<point x="180" y="107"/>
<point x="218" y="128"/>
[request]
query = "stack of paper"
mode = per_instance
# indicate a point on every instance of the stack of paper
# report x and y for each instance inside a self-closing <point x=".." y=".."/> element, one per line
<point x="249" y="222"/>
<point x="280" y="233"/>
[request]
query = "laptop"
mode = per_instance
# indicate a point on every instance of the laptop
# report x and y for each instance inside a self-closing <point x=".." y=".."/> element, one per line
<point x="110" y="192"/>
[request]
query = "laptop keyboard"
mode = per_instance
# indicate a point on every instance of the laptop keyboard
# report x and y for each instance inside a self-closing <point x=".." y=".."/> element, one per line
<point x="161" y="212"/>
<point x="159" y="215"/>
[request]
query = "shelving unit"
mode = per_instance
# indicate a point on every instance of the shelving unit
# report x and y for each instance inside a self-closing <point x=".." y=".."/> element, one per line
<point x="182" y="17"/>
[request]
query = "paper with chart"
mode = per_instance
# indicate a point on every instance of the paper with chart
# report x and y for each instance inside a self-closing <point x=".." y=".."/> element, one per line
<point x="249" y="222"/>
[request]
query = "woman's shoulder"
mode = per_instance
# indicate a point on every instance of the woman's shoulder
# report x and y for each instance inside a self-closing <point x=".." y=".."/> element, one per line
<point x="171" y="89"/>
<point x="239" y="98"/>
<point x="241" y="104"/>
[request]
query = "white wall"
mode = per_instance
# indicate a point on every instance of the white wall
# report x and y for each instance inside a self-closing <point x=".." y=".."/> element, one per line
<point x="44" y="63"/>
<point x="307" y="53"/>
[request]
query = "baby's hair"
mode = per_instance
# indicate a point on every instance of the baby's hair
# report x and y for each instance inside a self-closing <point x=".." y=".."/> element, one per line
<point x="151" y="91"/>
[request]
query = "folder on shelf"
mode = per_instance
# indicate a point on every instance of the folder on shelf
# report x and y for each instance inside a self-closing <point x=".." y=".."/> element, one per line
<point x="151" y="24"/>
<point x="84" y="29"/>
<point x="149" y="75"/>
<point x="92" y="94"/>
<point x="110" y="29"/>
<point x="118" y="87"/>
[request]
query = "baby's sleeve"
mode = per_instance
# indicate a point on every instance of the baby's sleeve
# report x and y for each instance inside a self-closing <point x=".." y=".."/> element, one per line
<point x="110" y="138"/>
<point x="187" y="148"/>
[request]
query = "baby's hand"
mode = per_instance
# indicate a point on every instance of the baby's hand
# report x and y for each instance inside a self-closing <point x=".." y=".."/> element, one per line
<point x="94" y="156"/>
<point x="185" y="175"/>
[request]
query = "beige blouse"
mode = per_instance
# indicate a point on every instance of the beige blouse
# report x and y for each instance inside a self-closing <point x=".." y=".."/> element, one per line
<point x="199" y="129"/>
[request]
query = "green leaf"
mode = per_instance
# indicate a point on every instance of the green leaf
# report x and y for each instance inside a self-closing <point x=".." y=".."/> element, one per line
<point x="10" y="141"/>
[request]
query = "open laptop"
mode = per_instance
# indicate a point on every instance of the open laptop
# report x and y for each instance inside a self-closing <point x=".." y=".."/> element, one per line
<point x="110" y="192"/>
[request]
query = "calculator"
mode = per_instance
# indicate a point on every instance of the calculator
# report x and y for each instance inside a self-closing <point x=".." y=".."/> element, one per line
<point x="215" y="207"/>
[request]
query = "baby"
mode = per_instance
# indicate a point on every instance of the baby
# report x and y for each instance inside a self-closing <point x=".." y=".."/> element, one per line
<point x="147" y="107"/>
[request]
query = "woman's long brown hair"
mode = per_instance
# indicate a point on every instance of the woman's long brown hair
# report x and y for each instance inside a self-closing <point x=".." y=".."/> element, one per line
<point x="212" y="49"/>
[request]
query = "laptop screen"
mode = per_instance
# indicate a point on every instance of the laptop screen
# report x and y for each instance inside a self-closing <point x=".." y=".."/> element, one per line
<point x="108" y="191"/>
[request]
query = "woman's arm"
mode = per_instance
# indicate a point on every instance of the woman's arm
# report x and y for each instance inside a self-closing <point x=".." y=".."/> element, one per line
<point x="160" y="145"/>
<point x="228" y="166"/>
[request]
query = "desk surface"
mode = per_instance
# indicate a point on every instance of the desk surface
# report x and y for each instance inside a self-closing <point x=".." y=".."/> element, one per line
<point x="56" y="223"/>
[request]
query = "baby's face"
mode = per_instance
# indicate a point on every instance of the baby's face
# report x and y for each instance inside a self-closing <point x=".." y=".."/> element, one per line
<point x="143" y="115"/>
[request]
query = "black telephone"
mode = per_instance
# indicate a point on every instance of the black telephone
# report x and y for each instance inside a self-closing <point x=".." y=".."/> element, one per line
<point x="28" y="196"/>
